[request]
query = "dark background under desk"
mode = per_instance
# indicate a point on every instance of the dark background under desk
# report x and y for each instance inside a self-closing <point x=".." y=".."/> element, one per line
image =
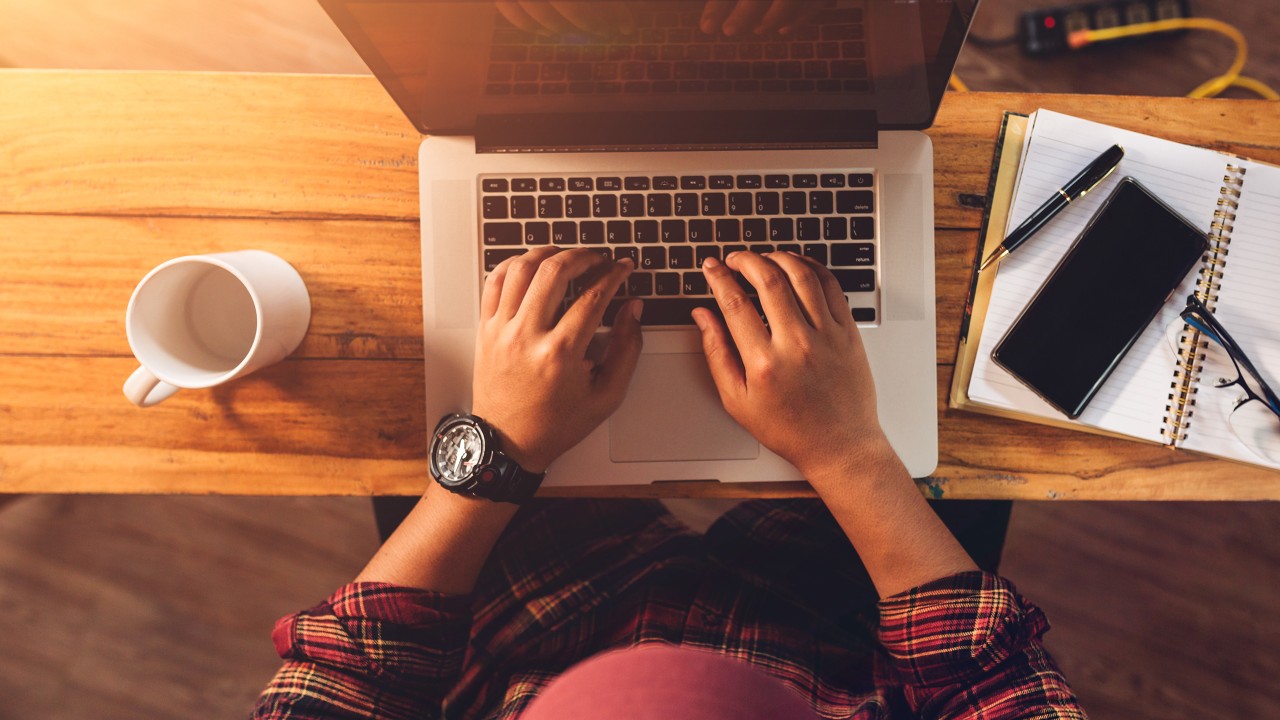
<point x="157" y="606"/>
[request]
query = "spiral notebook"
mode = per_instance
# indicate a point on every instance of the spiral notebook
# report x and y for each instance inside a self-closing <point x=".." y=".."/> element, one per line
<point x="1160" y="393"/>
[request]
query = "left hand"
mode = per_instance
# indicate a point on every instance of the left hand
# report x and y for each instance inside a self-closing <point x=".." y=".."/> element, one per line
<point x="534" y="382"/>
<point x="761" y="17"/>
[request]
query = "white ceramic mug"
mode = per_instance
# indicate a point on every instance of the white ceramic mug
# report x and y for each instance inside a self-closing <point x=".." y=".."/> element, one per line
<point x="201" y="320"/>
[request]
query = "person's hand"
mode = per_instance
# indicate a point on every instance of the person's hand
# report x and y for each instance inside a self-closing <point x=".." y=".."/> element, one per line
<point x="739" y="17"/>
<point x="534" y="381"/>
<point x="802" y="385"/>
<point x="569" y="16"/>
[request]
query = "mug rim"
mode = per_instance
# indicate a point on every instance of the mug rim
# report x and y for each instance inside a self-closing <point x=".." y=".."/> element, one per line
<point x="214" y="260"/>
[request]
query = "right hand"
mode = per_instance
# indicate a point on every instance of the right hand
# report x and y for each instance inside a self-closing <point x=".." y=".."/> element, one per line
<point x="802" y="386"/>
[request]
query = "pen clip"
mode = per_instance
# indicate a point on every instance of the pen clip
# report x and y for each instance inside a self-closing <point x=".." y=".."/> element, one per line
<point x="1098" y="182"/>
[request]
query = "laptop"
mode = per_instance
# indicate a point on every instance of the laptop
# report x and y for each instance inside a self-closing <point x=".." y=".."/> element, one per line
<point x="666" y="144"/>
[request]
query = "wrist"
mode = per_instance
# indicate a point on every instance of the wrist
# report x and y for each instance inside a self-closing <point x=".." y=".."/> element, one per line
<point x="863" y="461"/>
<point x="525" y="454"/>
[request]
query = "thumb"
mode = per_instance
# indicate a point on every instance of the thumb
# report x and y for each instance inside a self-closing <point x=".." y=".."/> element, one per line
<point x="722" y="358"/>
<point x="622" y="352"/>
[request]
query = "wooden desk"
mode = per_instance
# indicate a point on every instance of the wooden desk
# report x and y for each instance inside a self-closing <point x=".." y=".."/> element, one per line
<point x="103" y="175"/>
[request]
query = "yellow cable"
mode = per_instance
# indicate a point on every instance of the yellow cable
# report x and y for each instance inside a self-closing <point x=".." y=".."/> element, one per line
<point x="957" y="84"/>
<point x="1257" y="86"/>
<point x="1209" y="88"/>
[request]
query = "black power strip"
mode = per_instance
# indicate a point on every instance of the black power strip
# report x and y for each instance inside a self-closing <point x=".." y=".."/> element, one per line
<point x="1045" y="31"/>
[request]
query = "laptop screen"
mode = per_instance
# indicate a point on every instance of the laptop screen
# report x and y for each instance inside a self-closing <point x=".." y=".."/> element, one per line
<point x="449" y="63"/>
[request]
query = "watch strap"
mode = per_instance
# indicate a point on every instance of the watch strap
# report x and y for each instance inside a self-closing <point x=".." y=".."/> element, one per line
<point x="513" y="483"/>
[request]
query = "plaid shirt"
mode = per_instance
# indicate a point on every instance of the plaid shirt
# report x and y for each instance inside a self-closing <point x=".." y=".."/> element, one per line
<point x="775" y="584"/>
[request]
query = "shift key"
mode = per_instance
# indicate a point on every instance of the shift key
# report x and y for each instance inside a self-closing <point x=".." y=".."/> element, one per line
<point x="856" y="280"/>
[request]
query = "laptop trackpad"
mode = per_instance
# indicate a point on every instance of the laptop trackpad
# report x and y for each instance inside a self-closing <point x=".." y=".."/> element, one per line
<point x="672" y="412"/>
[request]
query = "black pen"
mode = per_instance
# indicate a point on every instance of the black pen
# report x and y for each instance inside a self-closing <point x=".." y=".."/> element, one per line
<point x="1076" y="188"/>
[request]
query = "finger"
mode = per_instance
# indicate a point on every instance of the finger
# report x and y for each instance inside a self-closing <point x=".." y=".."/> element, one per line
<point x="493" y="289"/>
<point x="518" y="277"/>
<point x="780" y="13"/>
<point x="836" y="302"/>
<point x="774" y="287"/>
<point x="807" y="287"/>
<point x="749" y="333"/>
<point x="622" y="353"/>
<point x="745" y="16"/>
<point x="714" y="14"/>
<point x="722" y="357"/>
<point x="546" y="15"/>
<point x="584" y="316"/>
<point x="550" y="284"/>
<point x="803" y="15"/>
<point x="515" y="14"/>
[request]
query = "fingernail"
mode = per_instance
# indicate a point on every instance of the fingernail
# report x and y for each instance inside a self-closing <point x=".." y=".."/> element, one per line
<point x="628" y="262"/>
<point x="710" y="263"/>
<point x="637" y="309"/>
<point x="730" y="30"/>
<point x="793" y="253"/>
<point x="731" y="255"/>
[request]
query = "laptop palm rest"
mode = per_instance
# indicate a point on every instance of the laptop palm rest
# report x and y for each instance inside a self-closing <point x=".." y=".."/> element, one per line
<point x="672" y="413"/>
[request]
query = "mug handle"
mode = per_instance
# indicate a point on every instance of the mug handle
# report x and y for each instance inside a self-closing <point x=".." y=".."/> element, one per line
<point x="144" y="389"/>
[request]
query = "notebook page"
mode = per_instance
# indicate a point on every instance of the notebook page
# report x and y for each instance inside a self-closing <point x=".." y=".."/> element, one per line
<point x="1249" y="307"/>
<point x="1133" y="399"/>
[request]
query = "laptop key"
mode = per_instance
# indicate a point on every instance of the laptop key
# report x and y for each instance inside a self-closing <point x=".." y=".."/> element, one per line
<point x="845" y="254"/>
<point x="816" y="252"/>
<point x="551" y="184"/>
<point x="617" y="232"/>
<point x="767" y="203"/>
<point x="631" y="205"/>
<point x="821" y="202"/>
<point x="581" y="184"/>
<point x="564" y="233"/>
<point x="693" y="182"/>
<point x="591" y="232"/>
<point x="832" y="180"/>
<point x="749" y="182"/>
<point x="666" y="283"/>
<point x="860" y="180"/>
<point x="804" y="181"/>
<point x="740" y="203"/>
<point x="755" y="229"/>
<point x="686" y="204"/>
<point x="507" y="233"/>
<point x="701" y="231"/>
<point x="702" y="252"/>
<point x="835" y="228"/>
<point x="794" y="203"/>
<point x="856" y="280"/>
<point x="493" y="257"/>
<point x="781" y="229"/>
<point x="659" y="205"/>
<point x="714" y="204"/>
<point x="728" y="231"/>
<point x="605" y="206"/>
<point x="630" y="252"/>
<point x="694" y="283"/>
<point x="777" y="181"/>
<point x="673" y="231"/>
<point x="647" y="231"/>
<point x="761" y="249"/>
<point x="680" y="257"/>
<point x="495" y="207"/>
<point x="668" y="310"/>
<point x="665" y="182"/>
<point x="609" y="183"/>
<point x="849" y="202"/>
<point x="636" y="183"/>
<point x="524" y="185"/>
<point x="720" y="182"/>
<point x="790" y="248"/>
<point x="537" y="233"/>
<point x="550" y="206"/>
<point x="524" y="207"/>
<point x="640" y="284"/>
<point x="494" y="184"/>
<point x="862" y="228"/>
<point x="864" y="314"/>
<point x="577" y="206"/>
<point x="653" y="258"/>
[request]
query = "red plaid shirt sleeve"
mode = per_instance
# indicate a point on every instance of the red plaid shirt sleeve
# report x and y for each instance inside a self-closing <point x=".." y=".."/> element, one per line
<point x="969" y="646"/>
<point x="370" y="650"/>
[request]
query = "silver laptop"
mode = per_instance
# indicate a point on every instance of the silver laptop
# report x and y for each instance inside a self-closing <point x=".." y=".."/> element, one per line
<point x="670" y="145"/>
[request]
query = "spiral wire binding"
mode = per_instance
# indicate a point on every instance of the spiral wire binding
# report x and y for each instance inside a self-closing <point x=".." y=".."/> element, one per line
<point x="1183" y="389"/>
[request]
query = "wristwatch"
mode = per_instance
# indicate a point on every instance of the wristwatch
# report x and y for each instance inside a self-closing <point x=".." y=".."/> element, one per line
<point x="465" y="459"/>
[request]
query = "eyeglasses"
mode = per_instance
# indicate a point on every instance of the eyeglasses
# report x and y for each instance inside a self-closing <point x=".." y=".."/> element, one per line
<point x="1255" y="416"/>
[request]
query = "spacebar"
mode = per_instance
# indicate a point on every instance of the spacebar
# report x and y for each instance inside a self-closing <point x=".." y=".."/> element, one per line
<point x="668" y="311"/>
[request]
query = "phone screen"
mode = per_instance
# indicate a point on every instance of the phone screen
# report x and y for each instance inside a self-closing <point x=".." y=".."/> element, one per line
<point x="1108" y="287"/>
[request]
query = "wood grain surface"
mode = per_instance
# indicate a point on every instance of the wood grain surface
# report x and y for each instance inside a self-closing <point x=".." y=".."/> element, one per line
<point x="105" y="174"/>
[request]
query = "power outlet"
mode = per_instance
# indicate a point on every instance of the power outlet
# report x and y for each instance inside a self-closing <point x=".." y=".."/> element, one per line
<point x="1044" y="31"/>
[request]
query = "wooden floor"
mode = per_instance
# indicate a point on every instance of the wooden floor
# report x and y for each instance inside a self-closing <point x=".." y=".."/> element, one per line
<point x="132" y="607"/>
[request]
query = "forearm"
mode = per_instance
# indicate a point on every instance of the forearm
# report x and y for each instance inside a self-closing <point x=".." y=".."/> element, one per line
<point x="900" y="540"/>
<point x="441" y="545"/>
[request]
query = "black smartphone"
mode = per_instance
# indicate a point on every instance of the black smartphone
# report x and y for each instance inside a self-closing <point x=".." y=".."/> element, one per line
<point x="1124" y="266"/>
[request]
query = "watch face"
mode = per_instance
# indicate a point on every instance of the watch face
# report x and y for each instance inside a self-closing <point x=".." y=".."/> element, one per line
<point x="458" y="450"/>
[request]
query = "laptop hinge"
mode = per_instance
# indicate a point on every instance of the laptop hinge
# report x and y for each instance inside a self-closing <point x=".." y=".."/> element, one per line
<point x="675" y="131"/>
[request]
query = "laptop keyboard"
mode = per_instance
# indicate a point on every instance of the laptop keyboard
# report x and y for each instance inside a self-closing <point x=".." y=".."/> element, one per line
<point x="668" y="225"/>
<point x="670" y="54"/>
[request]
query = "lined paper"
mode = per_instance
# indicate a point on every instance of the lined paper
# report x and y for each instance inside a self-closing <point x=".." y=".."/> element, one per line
<point x="1248" y="306"/>
<point x="1133" y="400"/>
